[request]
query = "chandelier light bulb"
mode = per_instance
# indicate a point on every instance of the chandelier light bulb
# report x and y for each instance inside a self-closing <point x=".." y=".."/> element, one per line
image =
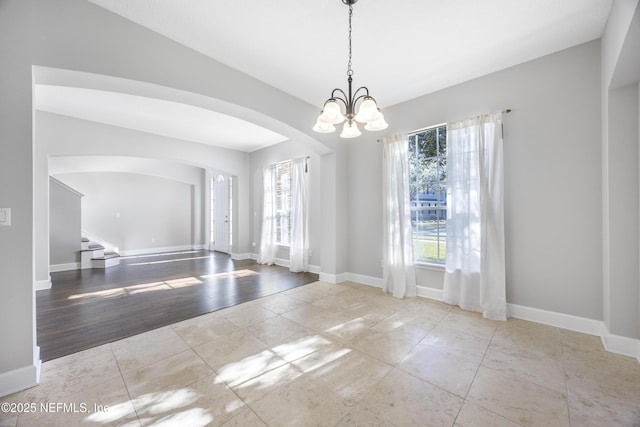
<point x="368" y="110"/>
<point x="350" y="130"/>
<point x="331" y="113"/>
<point x="323" y="127"/>
<point x="377" y="124"/>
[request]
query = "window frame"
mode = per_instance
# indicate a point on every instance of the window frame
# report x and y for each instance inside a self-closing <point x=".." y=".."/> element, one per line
<point x="440" y="261"/>
<point x="282" y="190"/>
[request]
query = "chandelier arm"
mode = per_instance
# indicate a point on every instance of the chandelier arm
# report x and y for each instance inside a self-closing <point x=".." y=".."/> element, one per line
<point x="337" y="98"/>
<point x="364" y="88"/>
<point x="333" y="94"/>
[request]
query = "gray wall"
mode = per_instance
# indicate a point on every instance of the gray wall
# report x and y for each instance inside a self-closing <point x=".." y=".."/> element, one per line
<point x="552" y="177"/>
<point x="77" y="35"/>
<point x="65" y="214"/>
<point x="620" y="164"/>
<point x="134" y="212"/>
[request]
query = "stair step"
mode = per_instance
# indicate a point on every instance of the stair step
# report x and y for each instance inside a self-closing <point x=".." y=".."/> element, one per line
<point x="107" y="255"/>
<point x="92" y="248"/>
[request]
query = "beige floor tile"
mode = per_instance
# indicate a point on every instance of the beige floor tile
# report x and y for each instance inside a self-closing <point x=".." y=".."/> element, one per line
<point x="529" y="336"/>
<point x="346" y="329"/>
<point x="404" y="400"/>
<point x="339" y="302"/>
<point x="583" y="341"/>
<point x="426" y="310"/>
<point x="8" y="420"/>
<point x="386" y="347"/>
<point x="325" y="287"/>
<point x="349" y="373"/>
<point x="106" y="403"/>
<point x="171" y="373"/>
<point x="205" y="330"/>
<point x="274" y="330"/>
<point x="250" y="366"/>
<point x="470" y="323"/>
<point x="362" y="417"/>
<point x="207" y="401"/>
<point x="602" y="387"/>
<point x="305" y="294"/>
<point x="247" y="315"/>
<point x="593" y="408"/>
<point x="518" y="400"/>
<point x="409" y="324"/>
<point x="468" y="346"/>
<point x="527" y="365"/>
<point x="368" y="310"/>
<point x="305" y="314"/>
<point x="280" y="303"/>
<point x="258" y="387"/>
<point x="229" y="349"/>
<point x="387" y="300"/>
<point x="472" y="415"/>
<point x="315" y="405"/>
<point x="71" y="374"/>
<point x="246" y="418"/>
<point x="447" y="371"/>
<point x="147" y="348"/>
<point x="301" y="344"/>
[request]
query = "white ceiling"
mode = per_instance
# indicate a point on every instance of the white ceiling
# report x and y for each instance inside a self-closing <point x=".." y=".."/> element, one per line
<point x="401" y="48"/>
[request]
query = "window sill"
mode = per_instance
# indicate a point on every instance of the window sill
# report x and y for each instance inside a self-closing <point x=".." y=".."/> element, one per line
<point x="429" y="266"/>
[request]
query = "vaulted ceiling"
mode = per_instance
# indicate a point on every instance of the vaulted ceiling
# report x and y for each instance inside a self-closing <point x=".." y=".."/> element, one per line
<point x="401" y="49"/>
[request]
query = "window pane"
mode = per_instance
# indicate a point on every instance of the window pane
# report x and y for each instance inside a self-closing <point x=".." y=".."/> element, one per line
<point x="427" y="157"/>
<point x="283" y="203"/>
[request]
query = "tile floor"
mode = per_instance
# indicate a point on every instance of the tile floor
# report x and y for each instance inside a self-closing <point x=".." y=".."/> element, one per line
<point x="339" y="355"/>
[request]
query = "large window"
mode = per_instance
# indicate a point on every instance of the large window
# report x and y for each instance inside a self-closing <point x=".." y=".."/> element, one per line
<point x="428" y="176"/>
<point x="283" y="203"/>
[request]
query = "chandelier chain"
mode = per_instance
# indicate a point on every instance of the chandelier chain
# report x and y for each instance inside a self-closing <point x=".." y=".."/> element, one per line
<point x="349" y="70"/>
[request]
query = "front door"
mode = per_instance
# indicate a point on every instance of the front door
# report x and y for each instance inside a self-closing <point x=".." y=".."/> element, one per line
<point x="221" y="240"/>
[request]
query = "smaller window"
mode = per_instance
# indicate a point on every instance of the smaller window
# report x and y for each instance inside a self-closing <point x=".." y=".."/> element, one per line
<point x="283" y="203"/>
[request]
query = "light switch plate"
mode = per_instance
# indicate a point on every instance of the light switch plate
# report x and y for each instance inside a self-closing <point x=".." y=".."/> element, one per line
<point x="5" y="217"/>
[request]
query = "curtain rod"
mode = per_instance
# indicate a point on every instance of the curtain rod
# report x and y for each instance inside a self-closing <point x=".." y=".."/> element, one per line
<point x="505" y="111"/>
<point x="285" y="161"/>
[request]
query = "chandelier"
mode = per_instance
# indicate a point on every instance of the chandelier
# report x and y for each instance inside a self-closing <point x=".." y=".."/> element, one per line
<point x="359" y="105"/>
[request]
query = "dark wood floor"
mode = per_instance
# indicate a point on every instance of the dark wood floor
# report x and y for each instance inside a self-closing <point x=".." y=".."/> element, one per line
<point x="87" y="308"/>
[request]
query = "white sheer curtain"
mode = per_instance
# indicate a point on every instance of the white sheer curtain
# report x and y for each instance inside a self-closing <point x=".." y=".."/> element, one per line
<point x="398" y="272"/>
<point x="475" y="261"/>
<point x="299" y="249"/>
<point x="268" y="247"/>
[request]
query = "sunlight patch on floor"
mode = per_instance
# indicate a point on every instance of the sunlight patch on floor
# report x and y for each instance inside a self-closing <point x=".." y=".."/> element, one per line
<point x="141" y="288"/>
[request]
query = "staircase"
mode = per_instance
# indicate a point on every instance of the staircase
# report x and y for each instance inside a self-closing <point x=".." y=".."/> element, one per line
<point x="94" y="256"/>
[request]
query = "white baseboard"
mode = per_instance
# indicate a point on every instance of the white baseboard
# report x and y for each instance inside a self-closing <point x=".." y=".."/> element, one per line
<point x="21" y="378"/>
<point x="40" y="285"/>
<point x="431" y="293"/>
<point x="240" y="257"/>
<point x="64" y="267"/>
<point x="147" y="251"/>
<point x="560" y="320"/>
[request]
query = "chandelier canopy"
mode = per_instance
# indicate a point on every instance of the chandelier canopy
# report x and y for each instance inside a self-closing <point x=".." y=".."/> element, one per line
<point x="359" y="105"/>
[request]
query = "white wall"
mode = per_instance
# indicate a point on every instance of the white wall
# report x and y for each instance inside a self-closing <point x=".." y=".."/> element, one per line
<point x="552" y="177"/>
<point x="135" y="213"/>
<point x="65" y="223"/>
